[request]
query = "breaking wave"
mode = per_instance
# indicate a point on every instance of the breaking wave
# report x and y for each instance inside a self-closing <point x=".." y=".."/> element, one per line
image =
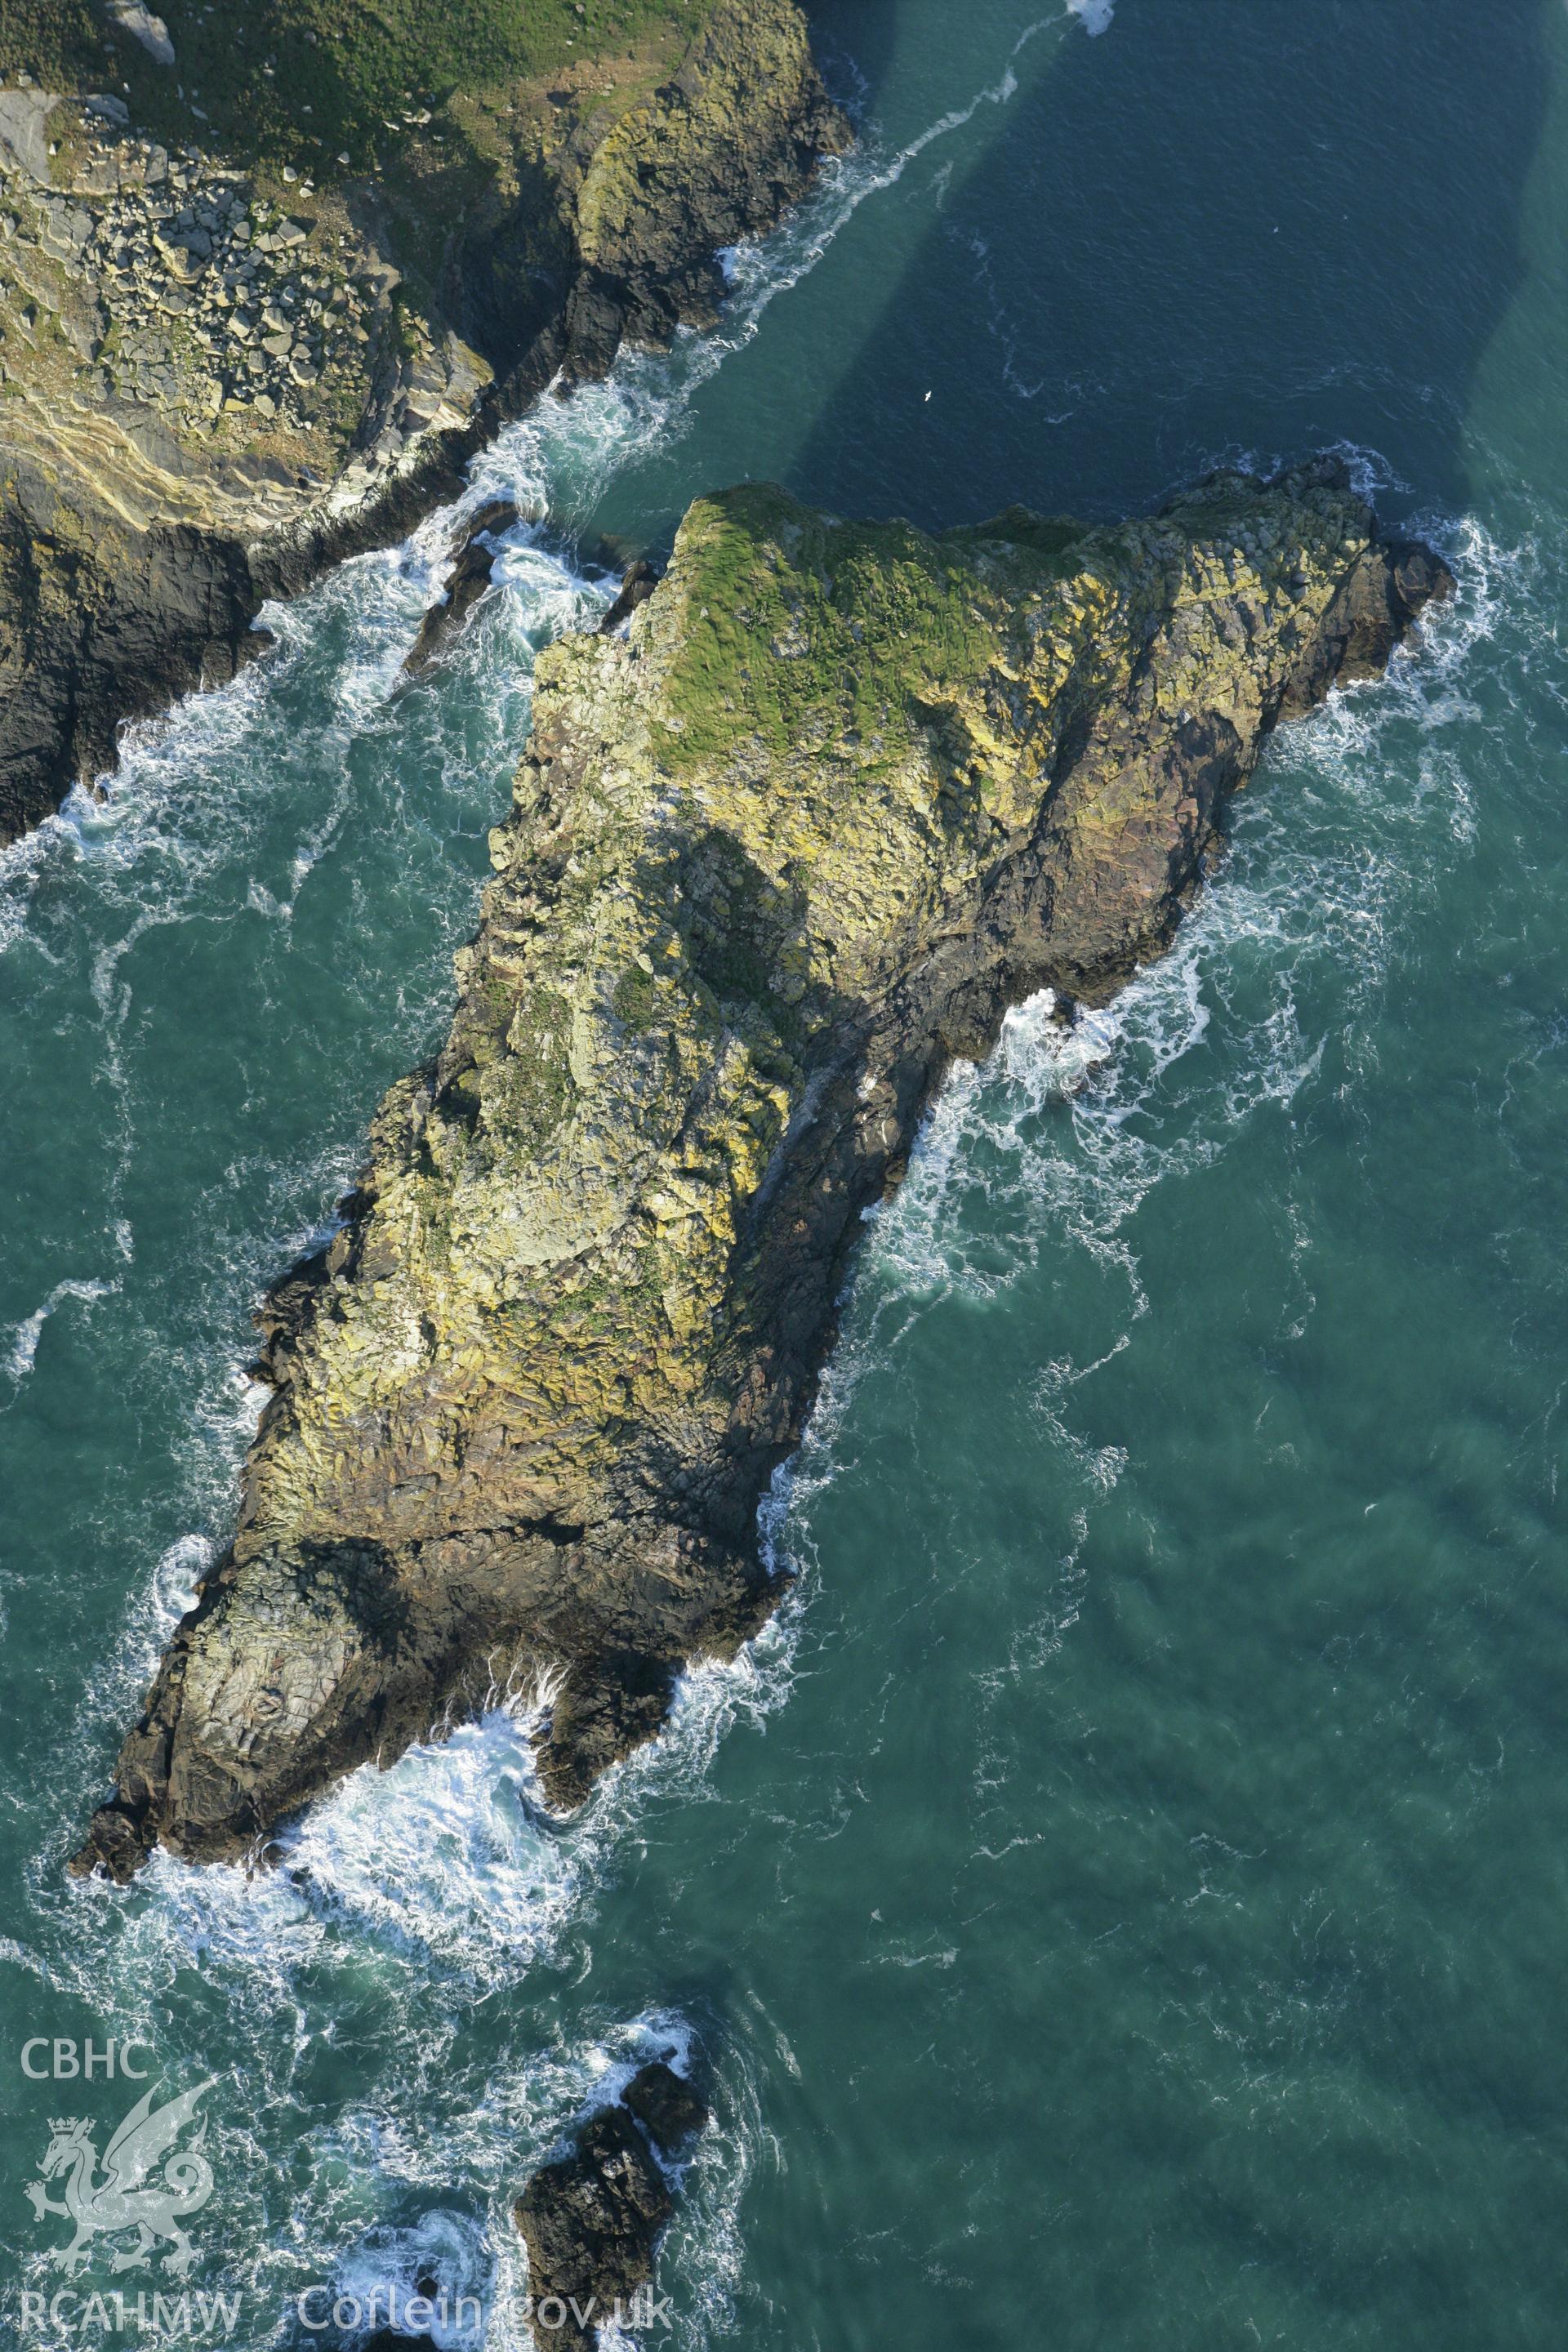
<point x="1068" y="1129"/>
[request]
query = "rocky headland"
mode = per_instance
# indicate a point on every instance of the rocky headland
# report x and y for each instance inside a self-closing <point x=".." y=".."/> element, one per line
<point x="221" y="371"/>
<point x="793" y="837"/>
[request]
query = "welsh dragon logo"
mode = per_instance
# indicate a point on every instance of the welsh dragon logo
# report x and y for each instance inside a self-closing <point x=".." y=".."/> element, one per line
<point x="124" y="2199"/>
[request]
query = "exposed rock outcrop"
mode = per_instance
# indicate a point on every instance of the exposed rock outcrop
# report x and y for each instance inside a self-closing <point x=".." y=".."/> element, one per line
<point x="840" y="795"/>
<point x="218" y="385"/>
<point x="733" y="140"/>
<point x="638" y="583"/>
<point x="592" y="2219"/>
<point x="93" y="635"/>
<point x="473" y="559"/>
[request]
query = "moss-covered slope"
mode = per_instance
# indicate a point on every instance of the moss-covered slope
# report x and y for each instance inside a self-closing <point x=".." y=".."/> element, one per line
<point x="841" y="795"/>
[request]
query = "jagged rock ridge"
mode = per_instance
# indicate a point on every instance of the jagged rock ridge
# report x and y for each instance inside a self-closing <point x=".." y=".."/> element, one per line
<point x="837" y="797"/>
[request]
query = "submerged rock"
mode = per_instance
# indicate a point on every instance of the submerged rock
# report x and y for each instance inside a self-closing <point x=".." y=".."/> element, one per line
<point x="474" y="559"/>
<point x="592" y="2219"/>
<point x="841" y="796"/>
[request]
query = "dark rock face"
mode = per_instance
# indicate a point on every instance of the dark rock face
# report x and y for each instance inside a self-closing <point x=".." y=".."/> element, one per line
<point x="1371" y="616"/>
<point x="637" y="584"/>
<point x="592" y="2219"/>
<point x="840" y="796"/>
<point x="469" y="578"/>
<point x="731" y="144"/>
<point x="510" y="279"/>
<point x="666" y="2106"/>
<point x="100" y="624"/>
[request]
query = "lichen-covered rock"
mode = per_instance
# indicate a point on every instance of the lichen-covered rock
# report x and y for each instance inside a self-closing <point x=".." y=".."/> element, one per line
<point x="839" y="796"/>
<point x="719" y="153"/>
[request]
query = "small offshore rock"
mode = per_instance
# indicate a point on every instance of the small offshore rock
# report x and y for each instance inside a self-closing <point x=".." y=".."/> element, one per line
<point x="466" y="583"/>
<point x="665" y="2105"/>
<point x="592" y="2219"/>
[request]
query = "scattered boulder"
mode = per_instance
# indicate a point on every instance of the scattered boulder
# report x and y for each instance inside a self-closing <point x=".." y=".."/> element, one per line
<point x="23" y="145"/>
<point x="133" y="17"/>
<point x="154" y="318"/>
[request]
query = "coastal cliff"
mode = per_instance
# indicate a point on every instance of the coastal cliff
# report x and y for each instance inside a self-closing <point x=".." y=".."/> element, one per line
<point x="795" y="836"/>
<point x="221" y="371"/>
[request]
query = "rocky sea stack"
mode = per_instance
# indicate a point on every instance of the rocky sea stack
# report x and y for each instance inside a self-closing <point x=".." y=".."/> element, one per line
<point x="838" y="795"/>
<point x="592" y="2219"/>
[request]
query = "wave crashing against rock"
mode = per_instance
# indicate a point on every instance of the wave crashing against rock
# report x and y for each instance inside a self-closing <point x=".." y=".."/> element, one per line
<point x="592" y="2219"/>
<point x="838" y="796"/>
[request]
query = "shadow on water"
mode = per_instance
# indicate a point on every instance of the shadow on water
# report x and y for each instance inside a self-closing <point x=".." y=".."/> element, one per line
<point x="855" y="42"/>
<point x="1248" y="227"/>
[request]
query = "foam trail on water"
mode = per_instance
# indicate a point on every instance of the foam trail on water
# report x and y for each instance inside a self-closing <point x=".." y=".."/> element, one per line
<point x="168" y="819"/>
<point x="407" y="1901"/>
<point x="445" y="1883"/>
<point x="451" y="1861"/>
<point x="452" y="1856"/>
<point x="172" y="824"/>
<point x="567" y="451"/>
<point x="30" y="1331"/>
<point x="530" y="2111"/>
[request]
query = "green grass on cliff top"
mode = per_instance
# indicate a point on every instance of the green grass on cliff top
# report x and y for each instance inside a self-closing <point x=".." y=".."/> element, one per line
<point x="801" y="629"/>
<point x="342" y="73"/>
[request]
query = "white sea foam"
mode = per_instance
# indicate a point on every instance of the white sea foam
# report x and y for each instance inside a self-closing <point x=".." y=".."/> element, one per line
<point x="26" y="1335"/>
<point x="171" y="822"/>
<point x="529" y="2109"/>
<point x="450" y="2249"/>
<point x="1061" y="1137"/>
<point x="451" y="1859"/>
<point x="445" y="1883"/>
<point x="169" y="818"/>
<point x="1070" y="1131"/>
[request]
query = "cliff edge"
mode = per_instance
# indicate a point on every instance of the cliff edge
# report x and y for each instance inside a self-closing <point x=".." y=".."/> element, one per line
<point x="836" y="797"/>
<point x="221" y="370"/>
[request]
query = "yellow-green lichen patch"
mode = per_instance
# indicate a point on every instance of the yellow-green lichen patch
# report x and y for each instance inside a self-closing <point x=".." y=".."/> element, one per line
<point x="756" y="891"/>
<point x="735" y="827"/>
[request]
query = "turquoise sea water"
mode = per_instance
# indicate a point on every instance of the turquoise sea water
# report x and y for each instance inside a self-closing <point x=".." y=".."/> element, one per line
<point x="1120" y="1902"/>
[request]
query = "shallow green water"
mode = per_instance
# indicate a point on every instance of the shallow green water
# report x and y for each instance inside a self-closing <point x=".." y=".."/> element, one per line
<point x="1122" y="1902"/>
